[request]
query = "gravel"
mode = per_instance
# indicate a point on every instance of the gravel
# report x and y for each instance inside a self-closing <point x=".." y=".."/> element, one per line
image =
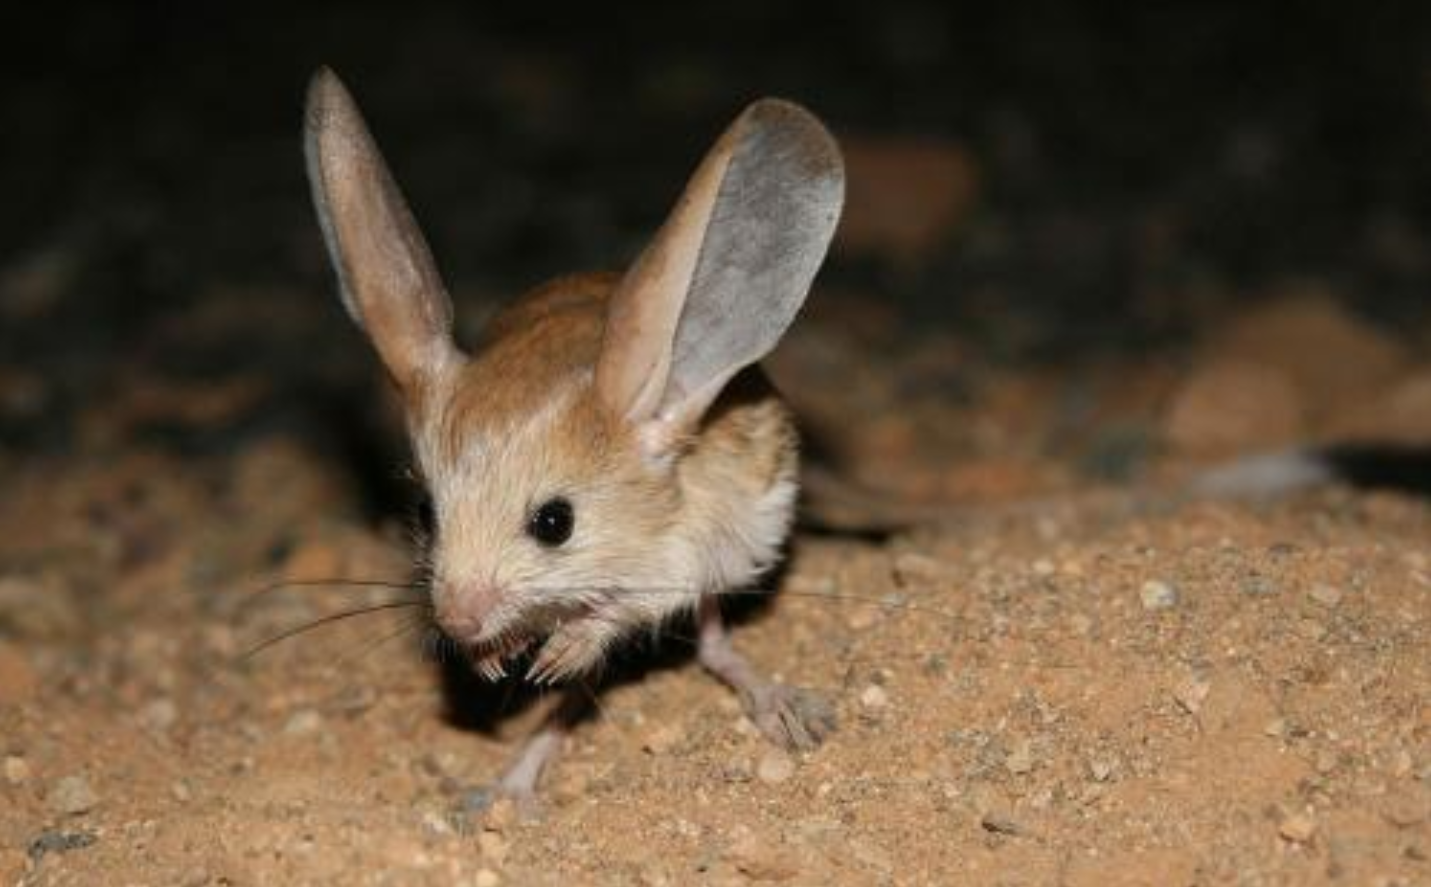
<point x="1158" y="595"/>
<point x="73" y="796"/>
<point x="874" y="697"/>
<point x="775" y="767"/>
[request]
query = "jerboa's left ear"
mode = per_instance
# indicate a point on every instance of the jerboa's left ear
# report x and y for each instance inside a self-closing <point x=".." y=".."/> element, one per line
<point x="726" y="274"/>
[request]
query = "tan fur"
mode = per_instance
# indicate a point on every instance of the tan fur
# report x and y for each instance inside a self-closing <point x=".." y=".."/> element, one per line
<point x="635" y="397"/>
<point x="522" y="423"/>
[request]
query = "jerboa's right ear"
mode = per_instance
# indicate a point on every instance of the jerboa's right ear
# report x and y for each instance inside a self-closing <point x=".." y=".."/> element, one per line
<point x="726" y="274"/>
<point x="386" y="275"/>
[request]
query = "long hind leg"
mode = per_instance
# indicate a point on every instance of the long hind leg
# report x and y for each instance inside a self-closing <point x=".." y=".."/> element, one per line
<point x="788" y="716"/>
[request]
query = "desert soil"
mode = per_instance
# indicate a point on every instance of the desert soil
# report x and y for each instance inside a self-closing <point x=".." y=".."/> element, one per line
<point x="1073" y="693"/>
<point x="1087" y="251"/>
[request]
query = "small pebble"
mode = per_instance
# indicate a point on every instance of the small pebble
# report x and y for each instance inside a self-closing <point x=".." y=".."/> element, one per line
<point x="1100" y="769"/>
<point x="1000" y="823"/>
<point x="874" y="697"/>
<point x="775" y="767"/>
<point x="1158" y="595"/>
<point x="663" y="738"/>
<point x="862" y="616"/>
<point x="303" y="722"/>
<point x="73" y="796"/>
<point x="17" y="770"/>
<point x="159" y="715"/>
<point x="746" y="727"/>
<point x="1298" y="828"/>
<point x="436" y="822"/>
<point x="911" y="566"/>
<point x="486" y="878"/>
<point x="1326" y="595"/>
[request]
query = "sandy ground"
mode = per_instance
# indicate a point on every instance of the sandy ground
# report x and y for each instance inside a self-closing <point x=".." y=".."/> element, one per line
<point x="1084" y="254"/>
<point x="1068" y="694"/>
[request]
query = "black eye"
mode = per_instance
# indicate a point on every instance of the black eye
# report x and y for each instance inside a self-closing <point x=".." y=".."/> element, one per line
<point x="552" y="522"/>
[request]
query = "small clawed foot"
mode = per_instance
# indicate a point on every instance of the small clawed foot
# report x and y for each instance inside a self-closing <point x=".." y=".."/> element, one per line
<point x="791" y="717"/>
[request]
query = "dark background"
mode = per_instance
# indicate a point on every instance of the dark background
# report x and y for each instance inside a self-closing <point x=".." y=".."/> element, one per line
<point x="152" y="163"/>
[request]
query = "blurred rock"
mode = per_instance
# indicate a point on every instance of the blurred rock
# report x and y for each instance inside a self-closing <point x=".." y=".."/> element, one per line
<point x="775" y="766"/>
<point x="1298" y="828"/>
<point x="72" y="796"/>
<point x="1333" y="358"/>
<point x="1400" y="414"/>
<point x="1000" y="822"/>
<point x="906" y="195"/>
<point x="1233" y="406"/>
<point x="16" y="769"/>
<point x="40" y="607"/>
<point x="1158" y="595"/>
<point x="159" y="715"/>
<point x="874" y="698"/>
<point x="303" y="722"/>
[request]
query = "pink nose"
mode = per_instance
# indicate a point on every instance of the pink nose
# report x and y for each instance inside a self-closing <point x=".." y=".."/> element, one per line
<point x="462" y="610"/>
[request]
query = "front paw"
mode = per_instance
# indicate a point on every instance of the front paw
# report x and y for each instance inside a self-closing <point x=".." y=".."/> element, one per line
<point x="573" y="649"/>
<point x="791" y="717"/>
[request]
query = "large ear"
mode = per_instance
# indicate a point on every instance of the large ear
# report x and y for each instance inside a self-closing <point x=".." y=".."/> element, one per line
<point x="726" y="274"/>
<point x="386" y="275"/>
